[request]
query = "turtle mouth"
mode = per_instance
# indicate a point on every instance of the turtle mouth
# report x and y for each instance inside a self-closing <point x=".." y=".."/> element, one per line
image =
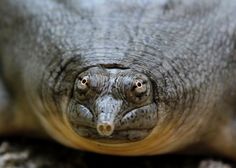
<point x="109" y="127"/>
<point x="118" y="136"/>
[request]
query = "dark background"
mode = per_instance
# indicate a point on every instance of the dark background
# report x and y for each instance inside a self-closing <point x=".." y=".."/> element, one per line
<point x="18" y="152"/>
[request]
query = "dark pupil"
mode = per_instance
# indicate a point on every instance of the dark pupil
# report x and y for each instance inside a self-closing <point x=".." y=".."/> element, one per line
<point x="139" y="84"/>
<point x="84" y="81"/>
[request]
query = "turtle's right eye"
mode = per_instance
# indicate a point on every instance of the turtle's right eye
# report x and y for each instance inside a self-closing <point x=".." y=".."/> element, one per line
<point x="83" y="83"/>
<point x="82" y="87"/>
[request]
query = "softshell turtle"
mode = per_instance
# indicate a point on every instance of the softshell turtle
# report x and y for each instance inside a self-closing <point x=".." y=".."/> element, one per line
<point x="120" y="77"/>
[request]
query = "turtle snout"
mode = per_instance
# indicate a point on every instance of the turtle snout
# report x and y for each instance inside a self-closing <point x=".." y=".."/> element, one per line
<point x="107" y="109"/>
<point x="105" y="128"/>
<point x="110" y="122"/>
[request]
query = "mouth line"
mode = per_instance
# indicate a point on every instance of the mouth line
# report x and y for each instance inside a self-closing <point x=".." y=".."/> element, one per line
<point x="118" y="136"/>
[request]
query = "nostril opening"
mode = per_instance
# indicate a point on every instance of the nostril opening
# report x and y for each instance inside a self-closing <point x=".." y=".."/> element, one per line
<point x="108" y="128"/>
<point x="105" y="129"/>
<point x="101" y="128"/>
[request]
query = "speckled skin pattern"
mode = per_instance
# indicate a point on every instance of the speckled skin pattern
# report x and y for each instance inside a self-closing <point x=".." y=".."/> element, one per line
<point x="120" y="77"/>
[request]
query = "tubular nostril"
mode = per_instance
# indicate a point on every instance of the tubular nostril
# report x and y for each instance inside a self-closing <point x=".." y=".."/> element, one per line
<point x="108" y="128"/>
<point x="100" y="128"/>
<point x="105" y="129"/>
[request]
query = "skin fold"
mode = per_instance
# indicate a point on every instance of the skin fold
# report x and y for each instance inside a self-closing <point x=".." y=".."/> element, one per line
<point x="120" y="77"/>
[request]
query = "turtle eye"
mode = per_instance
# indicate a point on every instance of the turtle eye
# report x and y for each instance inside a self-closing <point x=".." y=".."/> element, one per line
<point x="82" y="87"/>
<point x="139" y="88"/>
<point x="83" y="83"/>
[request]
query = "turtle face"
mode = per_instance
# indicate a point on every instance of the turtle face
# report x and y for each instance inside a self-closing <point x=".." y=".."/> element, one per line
<point x="110" y="105"/>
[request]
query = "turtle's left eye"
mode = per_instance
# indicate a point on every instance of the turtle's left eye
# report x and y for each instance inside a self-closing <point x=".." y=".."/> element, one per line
<point x="139" y="87"/>
<point x="139" y="91"/>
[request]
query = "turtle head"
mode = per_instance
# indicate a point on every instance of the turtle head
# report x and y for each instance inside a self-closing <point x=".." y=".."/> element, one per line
<point x="112" y="105"/>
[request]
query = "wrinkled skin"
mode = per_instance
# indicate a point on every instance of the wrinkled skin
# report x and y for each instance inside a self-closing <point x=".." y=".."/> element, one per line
<point x="117" y="77"/>
<point x="119" y="104"/>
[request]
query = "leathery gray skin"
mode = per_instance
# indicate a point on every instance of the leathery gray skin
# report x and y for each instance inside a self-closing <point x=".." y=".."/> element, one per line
<point x="120" y="77"/>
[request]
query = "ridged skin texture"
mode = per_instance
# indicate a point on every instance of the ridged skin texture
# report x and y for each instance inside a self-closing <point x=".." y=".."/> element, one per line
<point x="186" y="48"/>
